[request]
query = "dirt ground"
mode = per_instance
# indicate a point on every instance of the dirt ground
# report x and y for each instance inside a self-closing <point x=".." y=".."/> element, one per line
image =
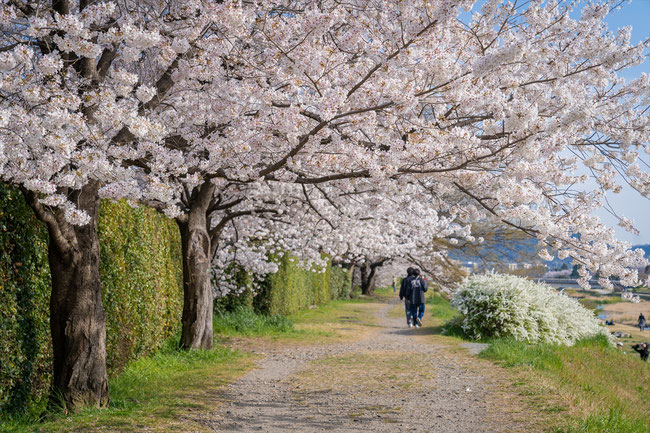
<point x="392" y="379"/>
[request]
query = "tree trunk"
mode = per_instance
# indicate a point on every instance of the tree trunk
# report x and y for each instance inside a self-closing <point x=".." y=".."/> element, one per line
<point x="77" y="318"/>
<point x="372" y="280"/>
<point x="367" y="279"/>
<point x="197" y="291"/>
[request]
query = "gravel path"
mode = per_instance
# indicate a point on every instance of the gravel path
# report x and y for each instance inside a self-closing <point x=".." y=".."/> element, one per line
<point x="391" y="381"/>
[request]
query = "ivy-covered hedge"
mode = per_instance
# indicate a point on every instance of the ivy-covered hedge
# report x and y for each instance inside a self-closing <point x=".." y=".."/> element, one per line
<point x="293" y="288"/>
<point x="25" y="352"/>
<point x="142" y="277"/>
<point x="141" y="272"/>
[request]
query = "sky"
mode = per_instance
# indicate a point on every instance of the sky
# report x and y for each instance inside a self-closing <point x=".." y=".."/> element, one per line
<point x="628" y="203"/>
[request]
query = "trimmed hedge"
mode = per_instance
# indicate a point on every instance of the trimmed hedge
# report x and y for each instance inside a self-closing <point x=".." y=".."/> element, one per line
<point x="142" y="280"/>
<point x="25" y="352"/>
<point x="141" y="273"/>
<point x="293" y="288"/>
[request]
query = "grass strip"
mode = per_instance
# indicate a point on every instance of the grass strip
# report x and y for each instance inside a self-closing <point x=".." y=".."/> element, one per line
<point x="599" y="388"/>
<point x="245" y="321"/>
<point x="154" y="394"/>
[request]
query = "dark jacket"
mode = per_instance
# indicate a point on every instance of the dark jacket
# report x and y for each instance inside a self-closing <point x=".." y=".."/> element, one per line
<point x="642" y="351"/>
<point x="405" y="289"/>
<point x="418" y="287"/>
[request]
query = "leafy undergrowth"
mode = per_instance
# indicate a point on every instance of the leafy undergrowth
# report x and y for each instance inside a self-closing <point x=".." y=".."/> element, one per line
<point x="245" y="321"/>
<point x="154" y="394"/>
<point x="596" y="387"/>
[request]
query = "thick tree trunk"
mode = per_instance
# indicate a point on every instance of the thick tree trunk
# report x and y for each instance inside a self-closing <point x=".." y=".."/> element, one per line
<point x="367" y="279"/>
<point x="197" y="291"/>
<point x="77" y="318"/>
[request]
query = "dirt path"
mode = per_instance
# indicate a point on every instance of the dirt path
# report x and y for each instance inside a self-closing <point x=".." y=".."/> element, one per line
<point x="393" y="380"/>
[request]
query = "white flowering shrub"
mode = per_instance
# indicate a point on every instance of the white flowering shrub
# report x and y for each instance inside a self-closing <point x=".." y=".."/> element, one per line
<point x="495" y="305"/>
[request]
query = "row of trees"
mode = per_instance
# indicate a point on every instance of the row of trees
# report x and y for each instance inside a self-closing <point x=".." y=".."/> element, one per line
<point x="352" y="129"/>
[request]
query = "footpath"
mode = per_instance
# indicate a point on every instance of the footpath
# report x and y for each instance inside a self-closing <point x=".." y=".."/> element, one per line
<point x="391" y="379"/>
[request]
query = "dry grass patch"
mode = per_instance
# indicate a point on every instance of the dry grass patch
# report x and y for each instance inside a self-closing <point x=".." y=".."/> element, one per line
<point x="337" y="321"/>
<point x="627" y="310"/>
<point x="368" y="372"/>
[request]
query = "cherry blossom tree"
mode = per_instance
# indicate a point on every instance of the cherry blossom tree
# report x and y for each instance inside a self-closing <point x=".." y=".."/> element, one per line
<point x="196" y="107"/>
<point x="78" y="82"/>
<point x="349" y="222"/>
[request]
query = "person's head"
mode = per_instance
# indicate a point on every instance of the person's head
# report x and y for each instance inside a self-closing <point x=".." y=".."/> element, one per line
<point x="619" y="345"/>
<point x="409" y="271"/>
<point x="416" y="272"/>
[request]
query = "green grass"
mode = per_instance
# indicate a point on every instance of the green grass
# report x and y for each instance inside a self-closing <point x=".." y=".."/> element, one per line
<point x="593" y="302"/>
<point x="439" y="308"/>
<point x="245" y="321"/>
<point x="603" y="389"/>
<point x="340" y="320"/>
<point x="512" y="353"/>
<point x="612" y="421"/>
<point x="150" y="394"/>
<point x="153" y="393"/>
<point x="332" y="321"/>
<point x="589" y="387"/>
<point x="608" y="300"/>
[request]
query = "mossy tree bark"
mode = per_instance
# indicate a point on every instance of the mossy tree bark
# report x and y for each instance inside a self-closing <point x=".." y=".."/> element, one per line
<point x="197" y="255"/>
<point x="77" y="318"/>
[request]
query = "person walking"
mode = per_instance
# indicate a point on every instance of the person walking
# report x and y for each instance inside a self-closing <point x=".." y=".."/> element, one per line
<point x="418" y="288"/>
<point x="642" y="321"/>
<point x="394" y="284"/>
<point x="405" y="294"/>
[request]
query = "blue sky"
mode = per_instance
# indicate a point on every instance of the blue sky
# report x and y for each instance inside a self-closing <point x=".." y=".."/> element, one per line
<point x="629" y="203"/>
<point x="635" y="13"/>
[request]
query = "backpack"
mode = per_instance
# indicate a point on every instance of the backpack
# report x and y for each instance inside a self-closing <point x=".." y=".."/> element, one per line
<point x="416" y="284"/>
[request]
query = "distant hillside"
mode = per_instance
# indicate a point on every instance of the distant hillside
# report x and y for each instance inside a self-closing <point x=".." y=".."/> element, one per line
<point x="514" y="251"/>
<point x="499" y="249"/>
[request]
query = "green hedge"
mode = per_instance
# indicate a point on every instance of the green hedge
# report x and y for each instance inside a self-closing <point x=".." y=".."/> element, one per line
<point x="25" y="352"/>
<point x="142" y="278"/>
<point x="293" y="288"/>
<point x="141" y="272"/>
